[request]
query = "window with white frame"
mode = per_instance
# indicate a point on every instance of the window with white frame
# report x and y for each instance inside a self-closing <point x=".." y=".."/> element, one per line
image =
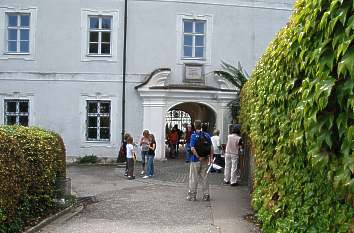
<point x="16" y="112"/>
<point x="18" y="33"/>
<point x="98" y="120"/>
<point x="100" y="31"/>
<point x="194" y="38"/>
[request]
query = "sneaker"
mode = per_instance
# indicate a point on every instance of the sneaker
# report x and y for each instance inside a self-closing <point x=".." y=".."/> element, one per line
<point x="234" y="184"/>
<point x="226" y="182"/>
<point x="142" y="173"/>
<point x="131" y="177"/>
<point x="144" y="177"/>
<point x="126" y="174"/>
<point x="191" y="197"/>
<point x="206" y="197"/>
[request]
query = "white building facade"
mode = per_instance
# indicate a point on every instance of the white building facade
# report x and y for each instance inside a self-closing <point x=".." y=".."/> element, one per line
<point x="61" y="64"/>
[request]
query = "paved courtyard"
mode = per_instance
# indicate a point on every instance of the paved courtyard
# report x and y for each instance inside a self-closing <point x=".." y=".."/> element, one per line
<point x="152" y="205"/>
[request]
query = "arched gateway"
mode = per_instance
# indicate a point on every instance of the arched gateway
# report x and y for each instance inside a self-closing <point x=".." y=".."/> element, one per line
<point x="206" y="101"/>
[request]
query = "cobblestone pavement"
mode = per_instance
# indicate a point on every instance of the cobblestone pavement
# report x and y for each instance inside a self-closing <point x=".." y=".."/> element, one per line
<point x="141" y="205"/>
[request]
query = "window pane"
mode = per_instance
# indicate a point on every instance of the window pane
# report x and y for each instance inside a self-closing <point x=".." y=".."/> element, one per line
<point x="94" y="23"/>
<point x="92" y="107"/>
<point x="23" y="120"/>
<point x="104" y="133"/>
<point x="25" y="20"/>
<point x="10" y="106"/>
<point x="104" y="121"/>
<point x="188" y="40"/>
<point x="12" y="20"/>
<point x="199" y="27"/>
<point x="106" y="37"/>
<point x="93" y="48"/>
<point x="106" y="23"/>
<point x="199" y="40"/>
<point x="188" y="26"/>
<point x="92" y="133"/>
<point x="93" y="36"/>
<point x="24" y="34"/>
<point x="24" y="46"/>
<point x="12" y="46"/>
<point x="10" y="120"/>
<point x="92" y="122"/>
<point x="105" y="107"/>
<point x="23" y="107"/>
<point x="199" y="51"/>
<point x="105" y="48"/>
<point x="187" y="51"/>
<point x="12" y="34"/>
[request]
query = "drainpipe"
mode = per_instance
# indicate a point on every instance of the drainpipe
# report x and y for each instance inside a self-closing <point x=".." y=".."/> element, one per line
<point x="124" y="65"/>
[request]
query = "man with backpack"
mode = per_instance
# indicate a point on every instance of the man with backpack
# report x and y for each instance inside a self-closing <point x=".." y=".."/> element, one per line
<point x="202" y="153"/>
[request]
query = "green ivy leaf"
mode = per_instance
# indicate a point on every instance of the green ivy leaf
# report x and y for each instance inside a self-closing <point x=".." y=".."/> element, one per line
<point x="347" y="63"/>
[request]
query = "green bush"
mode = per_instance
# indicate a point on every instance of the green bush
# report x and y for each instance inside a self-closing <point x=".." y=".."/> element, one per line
<point x="13" y="173"/>
<point x="36" y="159"/>
<point x="87" y="159"/>
<point x="298" y="109"/>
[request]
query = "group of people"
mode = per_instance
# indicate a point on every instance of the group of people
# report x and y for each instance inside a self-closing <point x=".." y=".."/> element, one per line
<point x="201" y="152"/>
<point x="148" y="147"/>
<point x="202" y="158"/>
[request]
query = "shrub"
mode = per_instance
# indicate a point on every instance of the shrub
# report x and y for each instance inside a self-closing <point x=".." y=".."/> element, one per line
<point x="87" y="159"/>
<point x="298" y="109"/>
<point x="13" y="173"/>
<point x="43" y="156"/>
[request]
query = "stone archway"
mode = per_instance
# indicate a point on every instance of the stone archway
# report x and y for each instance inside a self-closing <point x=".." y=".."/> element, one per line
<point x="207" y="103"/>
<point x="196" y="111"/>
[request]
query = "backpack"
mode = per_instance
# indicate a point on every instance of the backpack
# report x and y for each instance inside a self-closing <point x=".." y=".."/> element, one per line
<point x="203" y="145"/>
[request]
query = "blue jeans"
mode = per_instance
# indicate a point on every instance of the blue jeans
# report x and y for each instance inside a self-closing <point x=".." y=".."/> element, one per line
<point x="187" y="150"/>
<point x="144" y="155"/>
<point x="150" y="165"/>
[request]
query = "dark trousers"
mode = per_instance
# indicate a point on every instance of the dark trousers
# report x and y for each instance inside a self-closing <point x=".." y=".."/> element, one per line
<point x="130" y="164"/>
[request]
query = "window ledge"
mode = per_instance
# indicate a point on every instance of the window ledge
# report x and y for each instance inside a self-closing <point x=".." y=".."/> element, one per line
<point x="13" y="53"/>
<point x="99" y="55"/>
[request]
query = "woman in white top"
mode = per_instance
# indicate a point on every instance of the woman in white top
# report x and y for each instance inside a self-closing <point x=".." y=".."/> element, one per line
<point x="232" y="172"/>
<point x="215" y="140"/>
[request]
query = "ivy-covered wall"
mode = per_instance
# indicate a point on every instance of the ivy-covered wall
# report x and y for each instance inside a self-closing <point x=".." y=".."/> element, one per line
<point x="298" y="109"/>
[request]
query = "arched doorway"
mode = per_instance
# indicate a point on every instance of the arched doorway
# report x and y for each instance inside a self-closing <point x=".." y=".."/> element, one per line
<point x="185" y="113"/>
<point x="206" y="102"/>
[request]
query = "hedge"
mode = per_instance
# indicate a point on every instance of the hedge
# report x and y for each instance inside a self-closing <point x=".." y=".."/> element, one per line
<point x="33" y="159"/>
<point x="298" y="109"/>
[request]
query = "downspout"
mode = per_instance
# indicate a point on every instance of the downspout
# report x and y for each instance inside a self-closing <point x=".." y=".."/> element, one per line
<point x="124" y="65"/>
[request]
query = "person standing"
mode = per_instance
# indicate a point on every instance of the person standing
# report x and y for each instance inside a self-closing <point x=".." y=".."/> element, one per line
<point x="202" y="150"/>
<point x="150" y="157"/>
<point x="172" y="139"/>
<point x="217" y="147"/>
<point x="232" y="172"/>
<point x="187" y="140"/>
<point x="144" y="144"/>
<point x="130" y="157"/>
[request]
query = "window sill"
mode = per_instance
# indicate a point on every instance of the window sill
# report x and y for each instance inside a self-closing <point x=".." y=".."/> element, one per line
<point x="20" y="54"/>
<point x="193" y="61"/>
<point x="99" y="55"/>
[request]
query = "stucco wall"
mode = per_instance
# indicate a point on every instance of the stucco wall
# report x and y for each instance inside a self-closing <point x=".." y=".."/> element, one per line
<point x="57" y="79"/>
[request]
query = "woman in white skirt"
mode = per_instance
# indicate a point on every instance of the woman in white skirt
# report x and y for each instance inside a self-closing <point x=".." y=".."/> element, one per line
<point x="232" y="174"/>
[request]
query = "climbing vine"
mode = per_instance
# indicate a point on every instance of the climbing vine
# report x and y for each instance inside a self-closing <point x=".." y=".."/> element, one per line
<point x="298" y="109"/>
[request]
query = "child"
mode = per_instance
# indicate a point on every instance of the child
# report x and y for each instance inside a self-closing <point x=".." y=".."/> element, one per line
<point x="150" y="157"/>
<point x="130" y="158"/>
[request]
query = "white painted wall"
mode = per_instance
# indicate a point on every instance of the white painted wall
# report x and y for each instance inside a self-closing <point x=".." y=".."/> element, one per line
<point x="58" y="81"/>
